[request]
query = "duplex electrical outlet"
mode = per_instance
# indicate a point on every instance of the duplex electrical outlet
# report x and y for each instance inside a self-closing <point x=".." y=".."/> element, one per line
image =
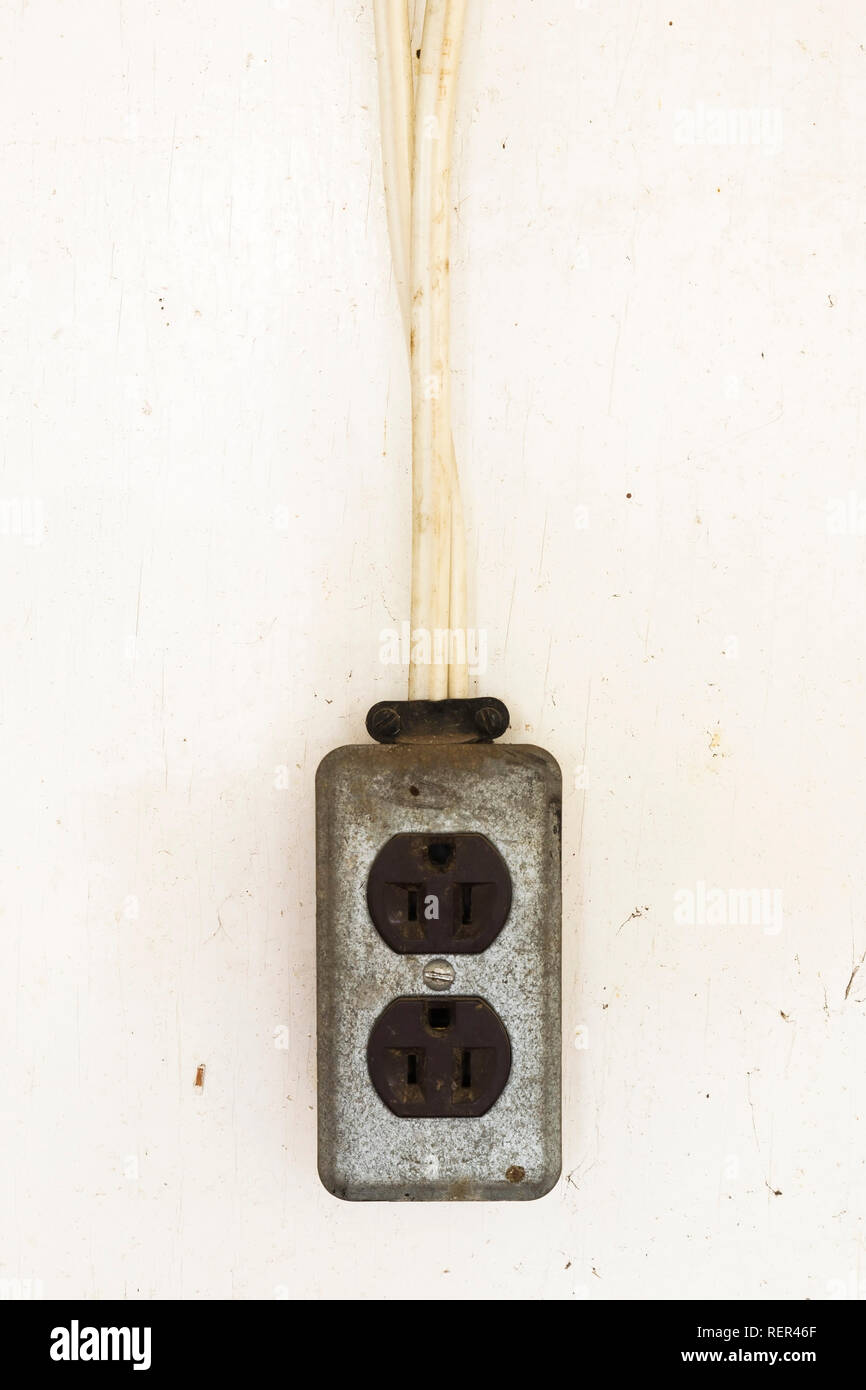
<point x="438" y="1035"/>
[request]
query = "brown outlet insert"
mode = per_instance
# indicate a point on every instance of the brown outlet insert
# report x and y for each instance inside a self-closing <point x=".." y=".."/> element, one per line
<point x="439" y="1057"/>
<point x="443" y="893"/>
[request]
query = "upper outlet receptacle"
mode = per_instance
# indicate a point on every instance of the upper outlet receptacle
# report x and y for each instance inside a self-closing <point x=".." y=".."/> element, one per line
<point x="439" y="893"/>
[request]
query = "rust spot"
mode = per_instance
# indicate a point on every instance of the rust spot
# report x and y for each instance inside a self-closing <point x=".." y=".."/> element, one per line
<point x="515" y="1173"/>
<point x="199" y="1077"/>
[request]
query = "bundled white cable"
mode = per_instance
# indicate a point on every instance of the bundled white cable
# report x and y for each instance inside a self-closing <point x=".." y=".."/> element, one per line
<point x="417" y="164"/>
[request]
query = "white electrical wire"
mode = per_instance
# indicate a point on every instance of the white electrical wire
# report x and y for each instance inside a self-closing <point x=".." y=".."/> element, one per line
<point x="432" y="462"/>
<point x="458" y="671"/>
<point x="418" y="222"/>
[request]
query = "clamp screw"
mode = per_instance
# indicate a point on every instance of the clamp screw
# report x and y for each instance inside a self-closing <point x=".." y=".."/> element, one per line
<point x="489" y="721"/>
<point x="385" y="723"/>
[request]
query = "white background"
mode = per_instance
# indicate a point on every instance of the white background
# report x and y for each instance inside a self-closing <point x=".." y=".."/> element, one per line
<point x="205" y="529"/>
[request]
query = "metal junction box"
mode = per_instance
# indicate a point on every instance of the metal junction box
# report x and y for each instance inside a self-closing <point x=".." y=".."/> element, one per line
<point x="438" y="958"/>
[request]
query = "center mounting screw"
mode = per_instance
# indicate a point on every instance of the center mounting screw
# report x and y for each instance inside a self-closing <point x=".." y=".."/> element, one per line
<point x="438" y="974"/>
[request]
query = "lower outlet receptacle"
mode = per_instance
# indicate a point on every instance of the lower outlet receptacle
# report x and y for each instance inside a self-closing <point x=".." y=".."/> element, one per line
<point x="430" y="1056"/>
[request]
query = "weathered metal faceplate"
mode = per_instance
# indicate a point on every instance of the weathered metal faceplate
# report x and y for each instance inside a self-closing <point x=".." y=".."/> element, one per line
<point x="511" y="794"/>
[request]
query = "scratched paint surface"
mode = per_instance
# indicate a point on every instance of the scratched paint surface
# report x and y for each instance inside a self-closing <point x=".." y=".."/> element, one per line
<point x="658" y="332"/>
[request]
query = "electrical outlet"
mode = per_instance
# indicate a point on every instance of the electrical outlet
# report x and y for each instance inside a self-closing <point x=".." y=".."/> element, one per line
<point x="439" y="1036"/>
<point x="439" y="1057"/>
<point x="448" y="893"/>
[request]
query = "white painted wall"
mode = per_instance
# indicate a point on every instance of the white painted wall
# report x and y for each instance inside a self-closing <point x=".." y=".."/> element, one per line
<point x="205" y="529"/>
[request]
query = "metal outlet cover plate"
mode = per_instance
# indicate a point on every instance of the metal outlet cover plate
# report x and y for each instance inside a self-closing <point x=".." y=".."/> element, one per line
<point x="512" y="794"/>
